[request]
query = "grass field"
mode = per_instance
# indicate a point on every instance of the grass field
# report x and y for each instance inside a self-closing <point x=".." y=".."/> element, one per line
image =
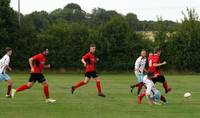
<point x="85" y="103"/>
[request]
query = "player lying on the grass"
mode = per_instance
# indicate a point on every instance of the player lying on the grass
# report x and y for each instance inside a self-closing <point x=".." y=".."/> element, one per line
<point x="139" y="71"/>
<point x="154" y="66"/>
<point x="153" y="95"/>
<point x="4" y="66"/>
<point x="89" y="61"/>
<point x="37" y="63"/>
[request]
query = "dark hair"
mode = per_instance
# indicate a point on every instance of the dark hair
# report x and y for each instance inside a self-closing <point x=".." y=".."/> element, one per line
<point x="92" y="45"/>
<point x="44" y="48"/>
<point x="7" y="49"/>
<point x="157" y="49"/>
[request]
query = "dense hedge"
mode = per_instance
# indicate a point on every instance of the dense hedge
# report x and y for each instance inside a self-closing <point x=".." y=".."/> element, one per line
<point x="68" y="32"/>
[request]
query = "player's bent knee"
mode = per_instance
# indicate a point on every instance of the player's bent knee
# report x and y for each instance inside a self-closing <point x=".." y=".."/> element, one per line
<point x="98" y="80"/>
<point x="45" y="84"/>
<point x="29" y="85"/>
<point x="86" y="81"/>
<point x="163" y="79"/>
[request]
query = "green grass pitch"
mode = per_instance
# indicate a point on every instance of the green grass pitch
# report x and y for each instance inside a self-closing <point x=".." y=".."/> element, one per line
<point x="85" y="103"/>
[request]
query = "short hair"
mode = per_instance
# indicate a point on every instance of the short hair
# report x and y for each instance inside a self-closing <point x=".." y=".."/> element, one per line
<point x="143" y="50"/>
<point x="7" y="49"/>
<point x="92" y="45"/>
<point x="157" y="49"/>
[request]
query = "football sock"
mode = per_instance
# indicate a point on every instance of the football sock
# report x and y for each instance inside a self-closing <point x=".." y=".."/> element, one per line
<point x="143" y="94"/>
<point x="98" y="86"/>
<point x="165" y="85"/>
<point x="140" y="97"/>
<point x="21" y="88"/>
<point x="46" y="91"/>
<point x="140" y="85"/>
<point x="163" y="98"/>
<point x="9" y="89"/>
<point x="81" y="83"/>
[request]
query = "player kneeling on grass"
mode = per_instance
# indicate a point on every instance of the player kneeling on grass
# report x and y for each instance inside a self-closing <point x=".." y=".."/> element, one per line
<point x="89" y="61"/>
<point x="4" y="65"/>
<point x="153" y="95"/>
<point x="37" y="64"/>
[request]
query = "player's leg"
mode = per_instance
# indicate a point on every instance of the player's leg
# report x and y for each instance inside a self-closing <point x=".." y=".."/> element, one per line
<point x="22" y="88"/>
<point x="46" y="91"/>
<point x="162" y="79"/>
<point x="141" y="96"/>
<point x="139" y="84"/>
<point x="9" y="85"/>
<point x="156" y="98"/>
<point x="9" y="88"/>
<point x="25" y="86"/>
<point x="98" y="84"/>
<point x="162" y="98"/>
<point x="44" y="83"/>
<point x="154" y="79"/>
<point x="32" y="80"/>
<point x="81" y="83"/>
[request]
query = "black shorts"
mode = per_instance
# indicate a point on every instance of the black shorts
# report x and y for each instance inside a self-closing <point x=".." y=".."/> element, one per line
<point x="37" y="77"/>
<point x="159" y="78"/>
<point x="92" y="74"/>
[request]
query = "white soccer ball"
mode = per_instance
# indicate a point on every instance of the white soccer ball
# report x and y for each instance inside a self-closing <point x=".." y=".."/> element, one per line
<point x="187" y="95"/>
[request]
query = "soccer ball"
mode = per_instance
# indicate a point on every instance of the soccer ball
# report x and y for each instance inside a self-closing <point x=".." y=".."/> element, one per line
<point x="187" y="95"/>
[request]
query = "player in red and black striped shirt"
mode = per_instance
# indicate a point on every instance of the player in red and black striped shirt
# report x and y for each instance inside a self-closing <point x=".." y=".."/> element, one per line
<point x="37" y="63"/>
<point x="89" y="61"/>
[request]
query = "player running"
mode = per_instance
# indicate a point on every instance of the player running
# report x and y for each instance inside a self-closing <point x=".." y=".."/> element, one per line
<point x="37" y="63"/>
<point x="153" y="95"/>
<point x="154" y="66"/>
<point x="4" y="66"/>
<point x="139" y="71"/>
<point x="89" y="61"/>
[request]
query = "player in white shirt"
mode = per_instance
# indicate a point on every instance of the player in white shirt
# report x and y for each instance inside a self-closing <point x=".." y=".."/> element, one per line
<point x="4" y="66"/>
<point x="153" y="95"/>
<point x="139" y="71"/>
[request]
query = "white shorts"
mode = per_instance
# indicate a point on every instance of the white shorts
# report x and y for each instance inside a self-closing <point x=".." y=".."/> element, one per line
<point x="139" y="76"/>
<point x="4" y="77"/>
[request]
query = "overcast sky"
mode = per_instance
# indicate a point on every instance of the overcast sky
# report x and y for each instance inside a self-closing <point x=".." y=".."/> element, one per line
<point x="145" y="9"/>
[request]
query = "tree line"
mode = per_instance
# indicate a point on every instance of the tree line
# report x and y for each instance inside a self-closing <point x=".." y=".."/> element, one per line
<point x="69" y="31"/>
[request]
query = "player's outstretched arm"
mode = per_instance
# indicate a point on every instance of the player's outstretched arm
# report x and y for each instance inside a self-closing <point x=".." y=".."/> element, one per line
<point x="159" y="64"/>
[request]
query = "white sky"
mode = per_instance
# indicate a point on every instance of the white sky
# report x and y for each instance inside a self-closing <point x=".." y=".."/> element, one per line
<point x="145" y="9"/>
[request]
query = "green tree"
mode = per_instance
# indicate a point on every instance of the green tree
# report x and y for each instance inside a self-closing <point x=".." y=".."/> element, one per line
<point x="66" y="43"/>
<point x="132" y="21"/>
<point x="185" y="45"/>
<point x="119" y="44"/>
<point x="8" y="24"/>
